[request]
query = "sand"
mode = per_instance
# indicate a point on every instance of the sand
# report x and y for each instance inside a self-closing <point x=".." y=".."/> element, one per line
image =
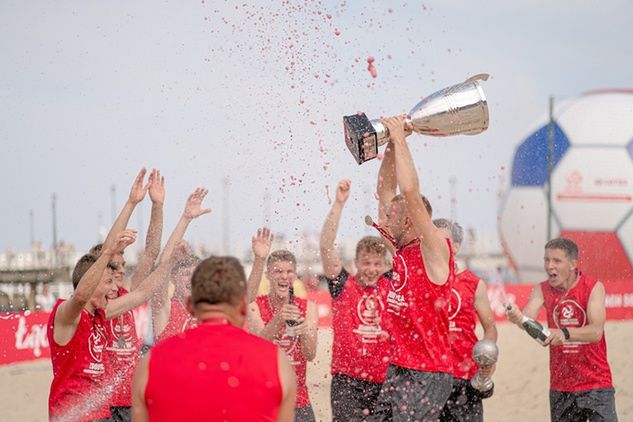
<point x="521" y="392"/>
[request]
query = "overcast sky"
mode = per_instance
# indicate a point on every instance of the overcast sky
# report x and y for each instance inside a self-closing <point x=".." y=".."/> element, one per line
<point x="91" y="91"/>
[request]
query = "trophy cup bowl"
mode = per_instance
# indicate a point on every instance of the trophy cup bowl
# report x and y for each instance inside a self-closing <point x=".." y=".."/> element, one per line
<point x="485" y="354"/>
<point x="460" y="109"/>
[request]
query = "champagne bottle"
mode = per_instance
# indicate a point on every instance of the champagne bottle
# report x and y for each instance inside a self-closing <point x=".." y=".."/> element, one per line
<point x="291" y="301"/>
<point x="535" y="329"/>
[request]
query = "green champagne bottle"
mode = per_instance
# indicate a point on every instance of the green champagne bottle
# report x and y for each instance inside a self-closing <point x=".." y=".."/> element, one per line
<point x="535" y="329"/>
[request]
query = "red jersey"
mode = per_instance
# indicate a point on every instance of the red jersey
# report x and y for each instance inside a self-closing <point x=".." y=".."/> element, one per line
<point x="79" y="370"/>
<point x="291" y="345"/>
<point x="462" y="320"/>
<point x="361" y="346"/>
<point x="123" y="349"/>
<point x="179" y="320"/>
<point x="419" y="313"/>
<point x="214" y="372"/>
<point x="574" y="365"/>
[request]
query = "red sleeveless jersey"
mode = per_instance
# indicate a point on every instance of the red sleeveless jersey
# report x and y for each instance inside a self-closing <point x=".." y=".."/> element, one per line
<point x="179" y="320"/>
<point x="123" y="349"/>
<point x="419" y="313"/>
<point x="214" y="372"/>
<point x="574" y="365"/>
<point x="291" y="345"/>
<point x="79" y="370"/>
<point x="361" y="346"/>
<point x="462" y="320"/>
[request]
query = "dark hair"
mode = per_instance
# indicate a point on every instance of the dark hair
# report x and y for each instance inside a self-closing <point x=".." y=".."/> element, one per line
<point x="457" y="233"/>
<point x="81" y="267"/>
<point x="567" y="245"/>
<point x="371" y="244"/>
<point x="218" y="279"/>
<point x="425" y="201"/>
<point x="281" y="255"/>
<point x="96" y="250"/>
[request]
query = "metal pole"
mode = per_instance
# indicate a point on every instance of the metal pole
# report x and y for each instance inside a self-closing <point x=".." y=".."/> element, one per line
<point x="225" y="216"/>
<point x="54" y="209"/>
<point x="550" y="160"/>
<point x="31" y="227"/>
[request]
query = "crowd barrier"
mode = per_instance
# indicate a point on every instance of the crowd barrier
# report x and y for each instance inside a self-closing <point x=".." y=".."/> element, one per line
<point x="23" y="334"/>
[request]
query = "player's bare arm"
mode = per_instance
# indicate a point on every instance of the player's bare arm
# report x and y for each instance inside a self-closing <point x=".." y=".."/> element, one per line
<point x="531" y="309"/>
<point x="484" y="312"/>
<point x="139" y="383"/>
<point x="307" y="332"/>
<point x="435" y="252"/>
<point x="69" y="312"/>
<point x="144" y="291"/>
<point x="154" y="231"/>
<point x="260" y="244"/>
<point x="329" y="255"/>
<point x="137" y="193"/>
<point x="257" y="326"/>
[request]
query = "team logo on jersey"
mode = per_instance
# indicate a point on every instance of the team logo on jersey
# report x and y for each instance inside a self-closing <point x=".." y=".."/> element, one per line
<point x="369" y="309"/>
<point x="454" y="306"/>
<point x="568" y="313"/>
<point x="400" y="274"/>
<point x="96" y="342"/>
<point x="122" y="332"/>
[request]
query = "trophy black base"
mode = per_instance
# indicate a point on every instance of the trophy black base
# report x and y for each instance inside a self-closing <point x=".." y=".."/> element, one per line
<point x="360" y="137"/>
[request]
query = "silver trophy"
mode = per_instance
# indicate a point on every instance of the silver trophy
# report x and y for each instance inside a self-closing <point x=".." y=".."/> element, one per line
<point x="485" y="354"/>
<point x="460" y="109"/>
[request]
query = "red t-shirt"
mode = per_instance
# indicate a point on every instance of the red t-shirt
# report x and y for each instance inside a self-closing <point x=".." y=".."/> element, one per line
<point x="291" y="345"/>
<point x="462" y="320"/>
<point x="575" y="365"/>
<point x="77" y="391"/>
<point x="123" y="349"/>
<point x="214" y="372"/>
<point x="361" y="346"/>
<point x="419" y="313"/>
<point x="179" y="320"/>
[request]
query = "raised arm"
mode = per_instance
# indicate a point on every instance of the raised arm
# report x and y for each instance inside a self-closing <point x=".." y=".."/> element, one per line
<point x="307" y="332"/>
<point x="484" y="312"/>
<point x="148" y="286"/>
<point x="435" y="251"/>
<point x="193" y="209"/>
<point x="530" y="310"/>
<point x="329" y="255"/>
<point x="260" y="244"/>
<point x="154" y="231"/>
<point x="69" y="312"/>
<point x="387" y="185"/>
<point x="257" y="326"/>
<point x="137" y="193"/>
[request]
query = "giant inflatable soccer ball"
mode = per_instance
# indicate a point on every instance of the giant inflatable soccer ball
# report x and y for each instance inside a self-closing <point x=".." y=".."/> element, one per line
<point x="592" y="188"/>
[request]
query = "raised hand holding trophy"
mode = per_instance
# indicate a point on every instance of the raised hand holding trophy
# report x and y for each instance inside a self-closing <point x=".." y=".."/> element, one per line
<point x="458" y="109"/>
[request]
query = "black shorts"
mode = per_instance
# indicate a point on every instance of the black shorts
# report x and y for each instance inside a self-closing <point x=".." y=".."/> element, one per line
<point x="464" y="403"/>
<point x="352" y="399"/>
<point x="410" y="395"/>
<point x="590" y="405"/>
<point x="305" y="414"/>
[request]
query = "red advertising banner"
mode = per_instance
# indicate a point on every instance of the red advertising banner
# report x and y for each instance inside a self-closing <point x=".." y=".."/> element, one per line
<point x="23" y="334"/>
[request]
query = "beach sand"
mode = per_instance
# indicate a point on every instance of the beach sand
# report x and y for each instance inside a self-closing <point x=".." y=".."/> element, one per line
<point x="521" y="379"/>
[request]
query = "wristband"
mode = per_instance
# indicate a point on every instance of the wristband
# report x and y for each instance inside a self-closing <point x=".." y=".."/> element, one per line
<point x="565" y="332"/>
